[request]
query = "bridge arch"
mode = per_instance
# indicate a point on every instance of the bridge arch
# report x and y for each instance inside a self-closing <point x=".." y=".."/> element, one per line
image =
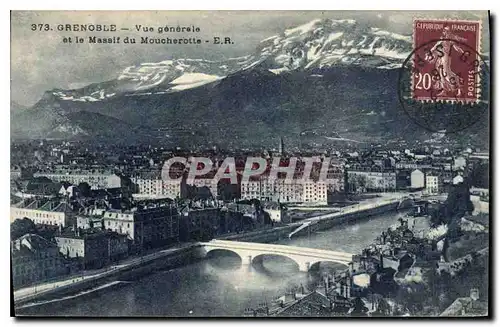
<point x="251" y="253"/>
<point x="219" y="258"/>
<point x="215" y="251"/>
<point x="257" y="260"/>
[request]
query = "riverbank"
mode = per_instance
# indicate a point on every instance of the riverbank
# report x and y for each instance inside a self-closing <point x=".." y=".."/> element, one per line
<point x="185" y="254"/>
<point x="216" y="287"/>
<point x="351" y="214"/>
<point x="129" y="269"/>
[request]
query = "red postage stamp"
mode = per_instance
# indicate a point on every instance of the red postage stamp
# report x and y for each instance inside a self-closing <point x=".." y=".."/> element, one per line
<point x="446" y="60"/>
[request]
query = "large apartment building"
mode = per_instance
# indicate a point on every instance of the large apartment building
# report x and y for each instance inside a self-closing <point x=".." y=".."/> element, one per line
<point x="156" y="187"/>
<point x="43" y="211"/>
<point x="145" y="226"/>
<point x="284" y="191"/>
<point x="433" y="184"/>
<point x="96" y="178"/>
<point x="35" y="259"/>
<point x="152" y="184"/>
<point x="371" y="180"/>
<point x="94" y="248"/>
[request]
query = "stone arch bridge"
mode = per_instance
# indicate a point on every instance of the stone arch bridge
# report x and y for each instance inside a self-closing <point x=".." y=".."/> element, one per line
<point x="251" y="252"/>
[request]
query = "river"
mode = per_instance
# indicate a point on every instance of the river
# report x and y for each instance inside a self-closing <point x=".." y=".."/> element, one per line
<point x="218" y="286"/>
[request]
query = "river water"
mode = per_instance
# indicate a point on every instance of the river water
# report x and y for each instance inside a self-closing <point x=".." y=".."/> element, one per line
<point x="218" y="286"/>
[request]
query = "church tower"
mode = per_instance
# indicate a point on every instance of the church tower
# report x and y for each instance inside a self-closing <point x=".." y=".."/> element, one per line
<point x="282" y="146"/>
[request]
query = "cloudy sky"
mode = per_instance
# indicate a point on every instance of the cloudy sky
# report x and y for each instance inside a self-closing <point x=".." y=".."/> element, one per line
<point x="40" y="61"/>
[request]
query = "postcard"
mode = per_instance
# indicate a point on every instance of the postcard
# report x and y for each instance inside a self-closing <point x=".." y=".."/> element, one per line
<point x="250" y="164"/>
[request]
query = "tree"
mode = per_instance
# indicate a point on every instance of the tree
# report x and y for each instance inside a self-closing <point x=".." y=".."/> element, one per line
<point x="458" y="202"/>
<point x="21" y="227"/>
<point x="359" y="308"/>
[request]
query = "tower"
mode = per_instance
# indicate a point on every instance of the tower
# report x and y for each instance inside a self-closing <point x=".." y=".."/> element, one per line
<point x="282" y="146"/>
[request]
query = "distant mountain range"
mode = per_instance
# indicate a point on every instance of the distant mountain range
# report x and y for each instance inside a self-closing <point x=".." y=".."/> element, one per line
<point x="325" y="80"/>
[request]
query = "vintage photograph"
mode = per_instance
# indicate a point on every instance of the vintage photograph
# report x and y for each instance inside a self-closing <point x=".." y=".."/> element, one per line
<point x="270" y="164"/>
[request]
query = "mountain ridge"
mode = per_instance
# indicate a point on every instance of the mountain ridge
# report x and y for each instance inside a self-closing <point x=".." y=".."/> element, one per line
<point x="334" y="76"/>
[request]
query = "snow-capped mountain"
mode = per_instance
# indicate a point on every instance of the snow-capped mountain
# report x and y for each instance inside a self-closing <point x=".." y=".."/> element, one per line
<point x="324" y="43"/>
<point x="336" y="78"/>
<point x="317" y="44"/>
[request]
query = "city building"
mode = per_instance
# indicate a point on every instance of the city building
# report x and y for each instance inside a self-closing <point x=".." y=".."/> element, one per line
<point x="173" y="188"/>
<point x="150" y="184"/>
<point x="371" y="179"/>
<point x="96" y="178"/>
<point x="467" y="306"/>
<point x="15" y="172"/>
<point x="37" y="187"/>
<point x="412" y="165"/>
<point x="92" y="248"/>
<point x="335" y="177"/>
<point x="206" y="183"/>
<point x="433" y="183"/>
<point x="459" y="163"/>
<point x="256" y="188"/>
<point x="92" y="219"/>
<point x="149" y="225"/>
<point x="277" y="213"/>
<point x="199" y="223"/>
<point x="35" y="259"/>
<point x="315" y="192"/>
<point x="313" y="304"/>
<point x="480" y="198"/>
<point x="284" y="191"/>
<point x="403" y="179"/>
<point x="417" y="179"/>
<point x="43" y="211"/>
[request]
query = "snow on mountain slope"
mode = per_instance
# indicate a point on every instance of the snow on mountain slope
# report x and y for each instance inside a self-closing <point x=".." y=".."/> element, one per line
<point x="191" y="80"/>
<point x="320" y="43"/>
<point x="324" y="43"/>
<point x="69" y="129"/>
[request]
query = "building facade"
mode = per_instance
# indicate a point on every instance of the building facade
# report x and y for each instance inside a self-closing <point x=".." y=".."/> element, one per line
<point x="47" y="212"/>
<point x="35" y="259"/>
<point x="97" y="179"/>
<point x="151" y="184"/>
<point x="285" y="191"/>
<point x="200" y="224"/>
<point x="417" y="179"/>
<point x="94" y="249"/>
<point x="145" y="226"/>
<point x="367" y="180"/>
<point x="432" y="184"/>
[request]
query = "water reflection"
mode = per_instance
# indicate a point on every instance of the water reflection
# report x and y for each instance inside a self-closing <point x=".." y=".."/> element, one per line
<point x="220" y="286"/>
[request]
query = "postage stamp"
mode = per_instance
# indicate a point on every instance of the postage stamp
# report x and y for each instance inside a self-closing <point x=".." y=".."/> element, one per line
<point x="444" y="81"/>
<point x="446" y="60"/>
